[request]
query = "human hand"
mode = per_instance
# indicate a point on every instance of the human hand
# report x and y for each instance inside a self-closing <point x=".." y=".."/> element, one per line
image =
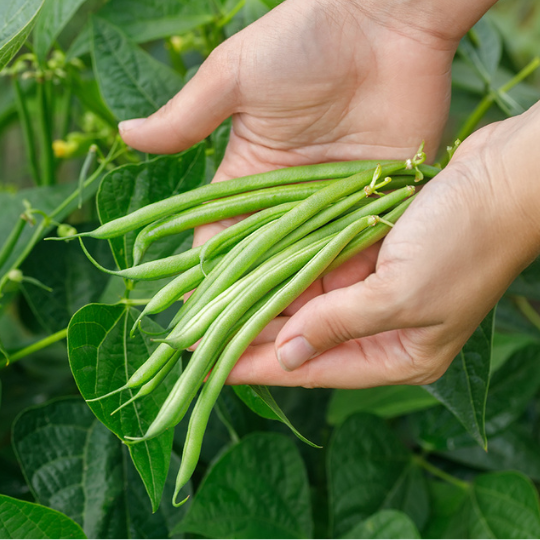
<point x="402" y="318"/>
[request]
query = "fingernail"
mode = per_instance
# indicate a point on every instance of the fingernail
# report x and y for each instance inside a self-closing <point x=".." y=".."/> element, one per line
<point x="294" y="353"/>
<point x="127" y="125"/>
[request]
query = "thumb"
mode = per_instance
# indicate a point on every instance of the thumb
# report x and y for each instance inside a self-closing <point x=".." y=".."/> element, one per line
<point x="333" y="318"/>
<point x="190" y="116"/>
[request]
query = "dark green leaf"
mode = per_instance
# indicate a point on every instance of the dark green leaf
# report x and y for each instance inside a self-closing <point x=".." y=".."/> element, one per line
<point x="132" y="83"/>
<point x="20" y="519"/>
<point x="260" y="401"/>
<point x="102" y="357"/>
<point x="17" y="19"/>
<point x="385" y="401"/>
<point x="75" y="465"/>
<point x="220" y="140"/>
<point x="127" y="188"/>
<point x="463" y="388"/>
<point x="385" y="524"/>
<point x="369" y="470"/>
<point x="446" y="499"/>
<point x="257" y="489"/>
<point x="53" y="18"/>
<point x="499" y="505"/>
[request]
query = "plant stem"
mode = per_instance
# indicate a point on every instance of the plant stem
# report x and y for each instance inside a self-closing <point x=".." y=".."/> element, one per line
<point x="42" y="344"/>
<point x="528" y="311"/>
<point x="11" y="242"/>
<point x="439" y="473"/>
<point x="44" y="115"/>
<point x="28" y="132"/>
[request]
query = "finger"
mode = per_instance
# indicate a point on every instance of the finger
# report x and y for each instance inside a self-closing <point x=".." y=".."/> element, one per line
<point x="200" y="107"/>
<point x="270" y="332"/>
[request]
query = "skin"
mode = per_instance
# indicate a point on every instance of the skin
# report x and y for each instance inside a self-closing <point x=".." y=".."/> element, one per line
<point x="367" y="80"/>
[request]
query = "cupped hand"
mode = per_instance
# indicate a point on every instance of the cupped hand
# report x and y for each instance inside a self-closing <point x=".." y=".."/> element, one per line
<point x="443" y="266"/>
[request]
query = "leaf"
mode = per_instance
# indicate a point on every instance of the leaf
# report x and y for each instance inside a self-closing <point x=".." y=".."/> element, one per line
<point x="17" y="17"/>
<point x="148" y="20"/>
<point x="384" y="401"/>
<point x="369" y="470"/>
<point x="220" y="140"/>
<point x="75" y="465"/>
<point x="463" y="388"/>
<point x="528" y="282"/>
<point x="20" y="519"/>
<point x="385" y="524"/>
<point x="132" y="83"/>
<point x="257" y="489"/>
<point x="74" y="281"/>
<point x="260" y="401"/>
<point x="499" y="505"/>
<point x="102" y="358"/>
<point x="53" y="18"/>
<point x="129" y="187"/>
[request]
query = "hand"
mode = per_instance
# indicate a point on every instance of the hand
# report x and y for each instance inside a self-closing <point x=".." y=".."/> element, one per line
<point x="445" y="264"/>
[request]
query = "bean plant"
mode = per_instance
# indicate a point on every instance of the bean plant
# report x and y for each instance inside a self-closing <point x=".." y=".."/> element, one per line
<point x="459" y="458"/>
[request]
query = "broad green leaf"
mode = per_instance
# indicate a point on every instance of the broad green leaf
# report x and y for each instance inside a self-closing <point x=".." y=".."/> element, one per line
<point x="256" y="489"/>
<point x="385" y="524"/>
<point x="74" y="281"/>
<point x="220" y="140"/>
<point x="446" y="500"/>
<point x="504" y="345"/>
<point x="102" y="358"/>
<point x="75" y="465"/>
<point x="385" y="401"/>
<point x="369" y="469"/>
<point x="132" y="83"/>
<point x="148" y="20"/>
<point x="499" y="505"/>
<point x="514" y="449"/>
<point x="21" y="519"/>
<point x="260" y="400"/>
<point x="129" y="187"/>
<point x="53" y="18"/>
<point x="463" y="388"/>
<point x="17" y="17"/>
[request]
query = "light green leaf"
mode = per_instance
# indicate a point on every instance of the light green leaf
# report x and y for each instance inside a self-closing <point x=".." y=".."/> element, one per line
<point x="53" y="18"/>
<point x="260" y="400"/>
<point x="256" y="489"/>
<point x="463" y="388"/>
<point x="17" y="17"/>
<point x="130" y="187"/>
<point x="132" y="83"/>
<point x="369" y="469"/>
<point x="21" y="519"/>
<point x="385" y="401"/>
<point x="75" y="465"/>
<point x="385" y="524"/>
<point x="102" y="358"/>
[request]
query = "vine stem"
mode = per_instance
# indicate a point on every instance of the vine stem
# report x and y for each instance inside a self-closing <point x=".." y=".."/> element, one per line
<point x="439" y="473"/>
<point x="44" y="115"/>
<point x="42" y="344"/>
<point x="528" y="311"/>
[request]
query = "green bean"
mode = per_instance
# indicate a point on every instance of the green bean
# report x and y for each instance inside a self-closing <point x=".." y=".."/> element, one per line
<point x="239" y="343"/>
<point x="151" y="385"/>
<point x="177" y="203"/>
<point x="228" y="207"/>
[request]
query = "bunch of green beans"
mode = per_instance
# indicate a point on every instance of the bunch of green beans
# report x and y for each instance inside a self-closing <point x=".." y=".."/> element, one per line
<point x="304" y="222"/>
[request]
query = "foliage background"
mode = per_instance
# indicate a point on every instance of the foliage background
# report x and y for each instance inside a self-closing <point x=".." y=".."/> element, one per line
<point x="397" y="462"/>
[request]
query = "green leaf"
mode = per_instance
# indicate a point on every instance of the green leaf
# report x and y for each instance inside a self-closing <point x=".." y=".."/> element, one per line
<point x="102" y="358"/>
<point x="220" y="140"/>
<point x="17" y="17"/>
<point x="260" y="401"/>
<point x="257" y="489"/>
<point x="528" y="282"/>
<point x="499" y="505"/>
<point x="385" y="524"/>
<point x="446" y="499"/>
<point x="20" y="519"/>
<point x="129" y="187"/>
<point x="53" y="18"/>
<point x="369" y="469"/>
<point x="384" y="401"/>
<point x="463" y="388"/>
<point x="132" y="83"/>
<point x="75" y="465"/>
<point x="148" y="20"/>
